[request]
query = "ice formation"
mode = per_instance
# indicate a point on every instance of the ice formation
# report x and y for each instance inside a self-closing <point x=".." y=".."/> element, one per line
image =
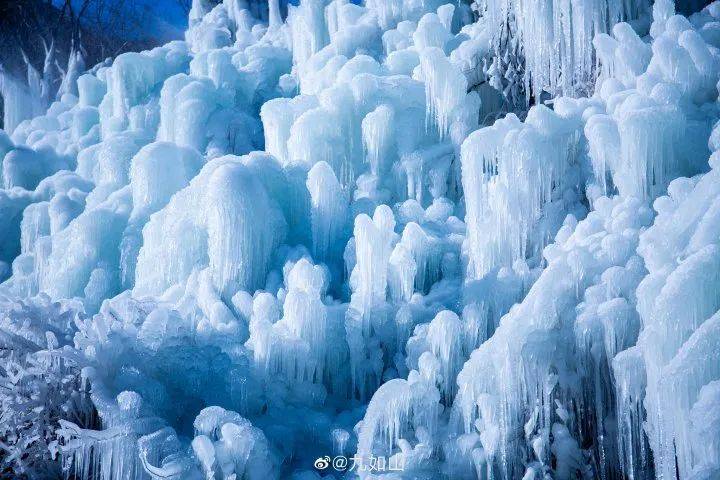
<point x="467" y="240"/>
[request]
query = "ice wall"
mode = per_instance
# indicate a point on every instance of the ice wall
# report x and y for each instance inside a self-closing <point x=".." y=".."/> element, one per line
<point x="323" y="235"/>
<point x="554" y="39"/>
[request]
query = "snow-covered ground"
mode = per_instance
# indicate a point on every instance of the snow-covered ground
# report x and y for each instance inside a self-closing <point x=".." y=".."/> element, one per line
<point x="343" y="245"/>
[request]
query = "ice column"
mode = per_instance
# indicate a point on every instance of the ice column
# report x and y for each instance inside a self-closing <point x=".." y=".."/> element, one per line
<point x="373" y="242"/>
<point x="329" y="211"/>
<point x="244" y="227"/>
<point x="445" y="88"/>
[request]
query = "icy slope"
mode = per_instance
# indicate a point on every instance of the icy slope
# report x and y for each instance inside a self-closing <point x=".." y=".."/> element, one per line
<point x="308" y="239"/>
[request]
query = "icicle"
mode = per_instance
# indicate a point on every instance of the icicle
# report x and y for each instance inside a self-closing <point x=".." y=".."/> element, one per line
<point x="305" y="319"/>
<point x="604" y="142"/>
<point x="308" y="29"/>
<point x="340" y="439"/>
<point x="402" y="272"/>
<point x="275" y="19"/>
<point x="373" y="242"/>
<point x="378" y="138"/>
<point x="630" y="383"/>
<point x="556" y="38"/>
<point x="445" y="339"/>
<point x="511" y="172"/>
<point x="329" y="211"/>
<point x="239" y="248"/>
<point x="648" y="138"/>
<point x="705" y="421"/>
<point x="445" y="88"/>
<point x="397" y="406"/>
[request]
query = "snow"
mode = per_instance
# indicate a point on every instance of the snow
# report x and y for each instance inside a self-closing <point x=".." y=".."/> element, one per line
<point x="478" y="240"/>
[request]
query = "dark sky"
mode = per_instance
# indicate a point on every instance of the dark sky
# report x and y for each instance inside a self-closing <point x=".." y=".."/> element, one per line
<point x="165" y="19"/>
<point x="169" y="18"/>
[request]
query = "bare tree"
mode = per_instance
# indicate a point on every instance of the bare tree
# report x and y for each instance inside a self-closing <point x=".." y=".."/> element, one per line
<point x="185" y="5"/>
<point x="42" y="44"/>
